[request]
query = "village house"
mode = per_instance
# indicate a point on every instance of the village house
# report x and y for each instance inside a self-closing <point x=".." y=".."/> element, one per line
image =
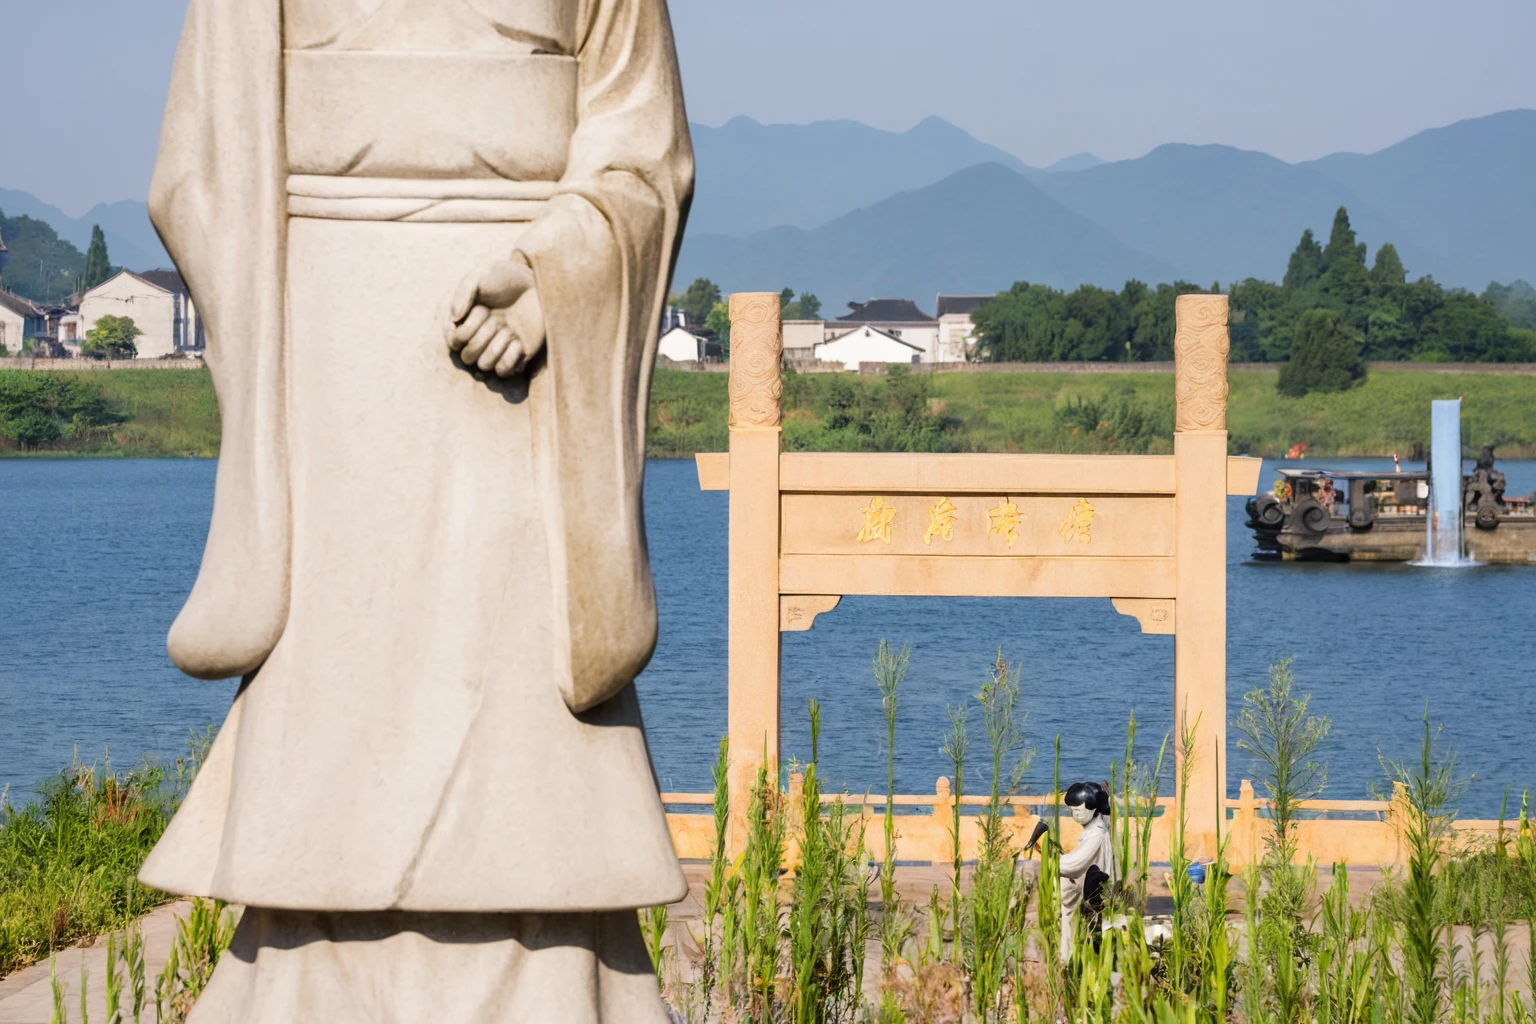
<point x="690" y="345"/>
<point x="20" y="319"/>
<point x="956" y="331"/>
<point x="158" y="303"/>
<point x="867" y="344"/>
<point x="944" y="338"/>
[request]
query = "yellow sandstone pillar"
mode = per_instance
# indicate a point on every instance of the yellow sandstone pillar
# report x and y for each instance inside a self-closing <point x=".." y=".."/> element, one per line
<point x="1200" y="637"/>
<point x="753" y="631"/>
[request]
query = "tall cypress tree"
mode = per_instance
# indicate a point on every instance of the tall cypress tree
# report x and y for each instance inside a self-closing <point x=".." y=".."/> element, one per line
<point x="97" y="266"/>
<point x="1342" y="247"/>
<point x="1345" y="280"/>
<point x="1306" y="264"/>
<point x="1388" y="268"/>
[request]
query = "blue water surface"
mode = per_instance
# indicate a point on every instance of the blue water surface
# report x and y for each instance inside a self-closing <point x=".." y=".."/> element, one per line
<point x="97" y="556"/>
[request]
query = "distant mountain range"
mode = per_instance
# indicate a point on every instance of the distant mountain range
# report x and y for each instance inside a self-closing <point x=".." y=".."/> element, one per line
<point x="1459" y="203"/>
<point x="131" y="239"/>
<point x="976" y="231"/>
<point x="851" y="212"/>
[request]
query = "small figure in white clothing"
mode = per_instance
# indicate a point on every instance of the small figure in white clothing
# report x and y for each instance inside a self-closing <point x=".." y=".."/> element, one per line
<point x="1090" y="866"/>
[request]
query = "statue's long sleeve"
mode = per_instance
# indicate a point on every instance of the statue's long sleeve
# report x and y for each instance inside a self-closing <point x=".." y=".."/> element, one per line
<point x="217" y="202"/>
<point x="602" y="254"/>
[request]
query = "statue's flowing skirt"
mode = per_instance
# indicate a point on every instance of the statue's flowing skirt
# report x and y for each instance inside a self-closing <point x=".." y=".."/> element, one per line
<point x="402" y="774"/>
<point x="286" y="967"/>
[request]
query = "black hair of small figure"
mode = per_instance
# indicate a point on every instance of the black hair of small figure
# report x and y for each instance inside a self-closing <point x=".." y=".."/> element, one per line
<point x="1088" y="794"/>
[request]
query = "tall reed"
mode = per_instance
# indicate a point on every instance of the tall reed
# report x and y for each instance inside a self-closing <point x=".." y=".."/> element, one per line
<point x="895" y="926"/>
<point x="826" y="916"/>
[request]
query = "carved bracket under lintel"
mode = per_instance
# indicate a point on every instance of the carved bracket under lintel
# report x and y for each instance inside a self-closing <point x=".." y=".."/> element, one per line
<point x="798" y="611"/>
<point x="1154" y="614"/>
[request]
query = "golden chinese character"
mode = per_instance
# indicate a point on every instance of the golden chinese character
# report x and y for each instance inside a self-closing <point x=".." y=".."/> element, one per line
<point x="1078" y="522"/>
<point x="941" y="521"/>
<point x="878" y="517"/>
<point x="1005" y="519"/>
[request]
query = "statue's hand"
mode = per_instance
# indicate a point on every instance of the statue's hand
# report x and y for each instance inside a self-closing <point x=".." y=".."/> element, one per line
<point x="495" y="321"/>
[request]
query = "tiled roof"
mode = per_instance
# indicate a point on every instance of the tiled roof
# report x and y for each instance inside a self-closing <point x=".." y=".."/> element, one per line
<point x="18" y="305"/>
<point x="963" y="305"/>
<point x="170" y="280"/>
<point x="884" y="311"/>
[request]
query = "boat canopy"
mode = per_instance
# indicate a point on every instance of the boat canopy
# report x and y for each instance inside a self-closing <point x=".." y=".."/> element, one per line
<point x="1319" y="474"/>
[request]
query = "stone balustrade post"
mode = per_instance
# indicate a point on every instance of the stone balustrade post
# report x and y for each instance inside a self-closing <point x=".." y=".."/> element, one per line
<point x="757" y="345"/>
<point x="1200" y="348"/>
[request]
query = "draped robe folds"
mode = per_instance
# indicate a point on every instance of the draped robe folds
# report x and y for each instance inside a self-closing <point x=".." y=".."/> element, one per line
<point x="434" y="583"/>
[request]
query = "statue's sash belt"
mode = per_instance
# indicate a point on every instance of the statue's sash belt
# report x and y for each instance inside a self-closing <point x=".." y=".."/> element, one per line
<point x="420" y="200"/>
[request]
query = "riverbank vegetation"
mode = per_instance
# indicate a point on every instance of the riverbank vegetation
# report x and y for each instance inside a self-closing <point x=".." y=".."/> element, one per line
<point x="109" y="413"/>
<point x="69" y="859"/>
<point x="1093" y="413"/>
<point x="1382" y="314"/>
<point x="794" y="930"/>
<point x="174" y="413"/>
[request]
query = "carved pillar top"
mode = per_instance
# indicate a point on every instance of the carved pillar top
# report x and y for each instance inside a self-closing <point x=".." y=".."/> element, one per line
<point x="1200" y="349"/>
<point x="757" y="344"/>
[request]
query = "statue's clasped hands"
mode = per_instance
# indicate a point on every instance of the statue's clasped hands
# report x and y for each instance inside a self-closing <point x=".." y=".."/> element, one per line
<point x="495" y="320"/>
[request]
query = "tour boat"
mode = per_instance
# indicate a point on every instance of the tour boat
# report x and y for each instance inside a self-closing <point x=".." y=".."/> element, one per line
<point x="1325" y="515"/>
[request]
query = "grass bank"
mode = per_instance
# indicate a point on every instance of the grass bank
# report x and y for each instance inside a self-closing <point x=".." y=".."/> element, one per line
<point x="1082" y="413"/>
<point x="174" y="413"/>
<point x="69" y="859"/>
<point x="106" y="413"/>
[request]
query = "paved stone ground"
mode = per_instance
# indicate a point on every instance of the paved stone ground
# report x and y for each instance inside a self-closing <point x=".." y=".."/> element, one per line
<point x="27" y="998"/>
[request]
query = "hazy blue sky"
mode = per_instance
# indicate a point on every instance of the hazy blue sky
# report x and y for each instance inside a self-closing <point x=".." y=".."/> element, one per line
<point x="85" y="80"/>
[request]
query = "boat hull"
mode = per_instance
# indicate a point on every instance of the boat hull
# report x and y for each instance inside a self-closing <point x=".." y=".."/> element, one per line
<point x="1396" y="539"/>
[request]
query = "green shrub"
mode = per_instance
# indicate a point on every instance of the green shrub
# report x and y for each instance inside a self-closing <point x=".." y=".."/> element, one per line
<point x="1325" y="356"/>
<point x="37" y="409"/>
<point x="69" y="860"/>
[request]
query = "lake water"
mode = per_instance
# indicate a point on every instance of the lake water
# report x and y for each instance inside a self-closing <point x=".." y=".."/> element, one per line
<point x="97" y="556"/>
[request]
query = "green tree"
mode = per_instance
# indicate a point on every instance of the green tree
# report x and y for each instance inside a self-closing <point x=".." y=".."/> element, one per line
<point x="1466" y="329"/>
<point x="97" y="266"/>
<point x="1325" y="356"/>
<point x="1342" y="247"/>
<point x="806" y="307"/>
<point x="42" y="266"/>
<point x="1345" y="281"/>
<point x="1389" y="335"/>
<point x="111" y="338"/>
<point x="1388" y="269"/>
<point x="1516" y="302"/>
<point x="718" y="319"/>
<point x="1306" y="264"/>
<point x="37" y="408"/>
<point x="698" y="300"/>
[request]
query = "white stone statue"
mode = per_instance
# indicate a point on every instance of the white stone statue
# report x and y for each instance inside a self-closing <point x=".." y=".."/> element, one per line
<point x="430" y="240"/>
<point x="1095" y="849"/>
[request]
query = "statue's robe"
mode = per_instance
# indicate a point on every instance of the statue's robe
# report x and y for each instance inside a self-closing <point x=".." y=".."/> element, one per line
<point x="433" y="583"/>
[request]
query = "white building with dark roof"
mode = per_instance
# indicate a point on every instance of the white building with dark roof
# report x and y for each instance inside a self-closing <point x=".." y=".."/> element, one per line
<point x="899" y="318"/>
<point x="867" y="344"/>
<point x="19" y="320"/>
<point x="956" y="330"/>
<point x="938" y="339"/>
<point x="158" y="303"/>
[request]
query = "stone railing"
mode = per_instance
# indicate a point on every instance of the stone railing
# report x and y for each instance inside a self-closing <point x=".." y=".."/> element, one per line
<point x="79" y="365"/>
<point x="1371" y="837"/>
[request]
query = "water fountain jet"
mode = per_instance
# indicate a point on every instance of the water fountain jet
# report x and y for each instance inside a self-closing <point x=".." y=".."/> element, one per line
<point x="1444" y="543"/>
